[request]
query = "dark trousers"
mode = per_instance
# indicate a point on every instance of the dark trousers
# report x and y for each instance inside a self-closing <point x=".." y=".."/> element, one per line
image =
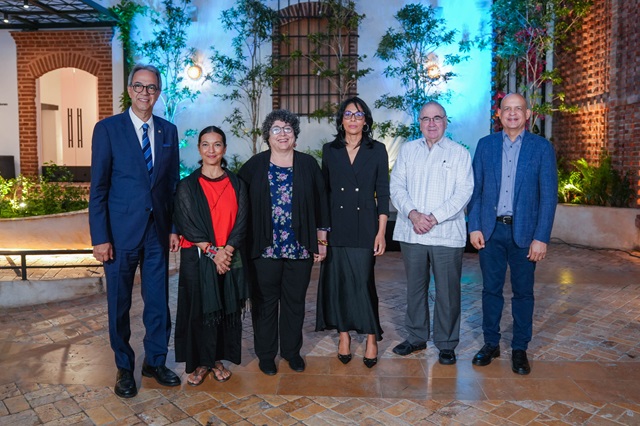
<point x="120" y="272"/>
<point x="279" y="305"/>
<point x="446" y="263"/>
<point x="500" y="250"/>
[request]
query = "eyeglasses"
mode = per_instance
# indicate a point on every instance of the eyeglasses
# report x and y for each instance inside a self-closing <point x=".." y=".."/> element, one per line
<point x="139" y="87"/>
<point x="437" y="119"/>
<point x="359" y="115"/>
<point x="275" y="130"/>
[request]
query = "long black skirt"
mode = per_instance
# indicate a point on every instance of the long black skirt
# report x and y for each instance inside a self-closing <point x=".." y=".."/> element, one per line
<point x="347" y="297"/>
<point x="198" y="344"/>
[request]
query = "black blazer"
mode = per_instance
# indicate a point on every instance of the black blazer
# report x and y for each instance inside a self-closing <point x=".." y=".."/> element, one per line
<point x="353" y="191"/>
<point x="310" y="204"/>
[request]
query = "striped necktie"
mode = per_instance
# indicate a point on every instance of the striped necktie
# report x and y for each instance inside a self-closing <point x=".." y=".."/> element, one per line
<point x="146" y="148"/>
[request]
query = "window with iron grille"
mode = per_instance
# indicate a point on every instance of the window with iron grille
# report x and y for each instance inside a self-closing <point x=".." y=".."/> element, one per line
<point x="322" y="57"/>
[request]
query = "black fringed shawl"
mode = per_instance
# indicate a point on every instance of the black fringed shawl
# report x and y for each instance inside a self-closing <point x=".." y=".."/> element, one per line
<point x="192" y="218"/>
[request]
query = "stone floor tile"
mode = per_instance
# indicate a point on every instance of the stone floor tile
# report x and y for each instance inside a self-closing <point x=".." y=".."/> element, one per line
<point x="47" y="413"/>
<point x="279" y="416"/>
<point x="523" y="388"/>
<point x="325" y="385"/>
<point x="17" y="404"/>
<point x="99" y="415"/>
<point x="307" y="411"/>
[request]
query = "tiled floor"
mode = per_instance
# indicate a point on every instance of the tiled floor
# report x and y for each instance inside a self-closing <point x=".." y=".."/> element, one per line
<point x="57" y="367"/>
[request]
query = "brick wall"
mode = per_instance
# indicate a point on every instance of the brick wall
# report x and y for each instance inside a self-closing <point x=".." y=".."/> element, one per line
<point x="39" y="52"/>
<point x="601" y="76"/>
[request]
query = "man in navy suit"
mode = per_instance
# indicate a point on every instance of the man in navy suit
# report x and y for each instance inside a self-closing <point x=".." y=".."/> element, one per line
<point x="134" y="173"/>
<point x="510" y="219"/>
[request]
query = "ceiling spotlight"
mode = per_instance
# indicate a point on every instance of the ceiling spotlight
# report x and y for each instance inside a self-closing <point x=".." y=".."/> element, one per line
<point x="25" y="4"/>
<point x="6" y="18"/>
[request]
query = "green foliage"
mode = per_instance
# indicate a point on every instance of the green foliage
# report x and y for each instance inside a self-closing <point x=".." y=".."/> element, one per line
<point x="184" y="142"/>
<point x="329" y="54"/>
<point x="126" y="12"/>
<point x="246" y="74"/>
<point x="168" y="50"/>
<point x="601" y="185"/>
<point x="524" y="31"/>
<point x="315" y="153"/>
<point x="410" y="51"/>
<point x="27" y="196"/>
<point x="235" y="163"/>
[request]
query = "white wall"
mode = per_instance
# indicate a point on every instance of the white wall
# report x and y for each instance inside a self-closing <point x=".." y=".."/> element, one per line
<point x="468" y="110"/>
<point x="9" y="143"/>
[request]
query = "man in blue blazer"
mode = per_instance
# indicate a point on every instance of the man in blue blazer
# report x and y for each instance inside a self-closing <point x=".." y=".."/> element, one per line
<point x="510" y="218"/>
<point x="134" y="173"/>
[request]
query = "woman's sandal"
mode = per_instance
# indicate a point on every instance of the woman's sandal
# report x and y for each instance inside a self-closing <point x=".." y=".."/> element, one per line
<point x="219" y="372"/>
<point x="197" y="377"/>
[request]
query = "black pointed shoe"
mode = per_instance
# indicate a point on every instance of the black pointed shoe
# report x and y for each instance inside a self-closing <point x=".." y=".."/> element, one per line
<point x="370" y="362"/>
<point x="486" y="355"/>
<point x="519" y="362"/>
<point x="125" y="384"/>
<point x="344" y="358"/>
<point x="162" y="374"/>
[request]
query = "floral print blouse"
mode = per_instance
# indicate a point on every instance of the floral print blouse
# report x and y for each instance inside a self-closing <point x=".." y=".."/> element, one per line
<point x="285" y="245"/>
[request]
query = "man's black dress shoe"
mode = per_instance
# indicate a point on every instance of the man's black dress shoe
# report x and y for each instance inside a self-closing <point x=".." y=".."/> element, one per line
<point x="447" y="357"/>
<point x="268" y="367"/>
<point x="297" y="363"/>
<point x="486" y="355"/>
<point x="162" y="374"/>
<point x="519" y="362"/>
<point x="125" y="384"/>
<point x="405" y="348"/>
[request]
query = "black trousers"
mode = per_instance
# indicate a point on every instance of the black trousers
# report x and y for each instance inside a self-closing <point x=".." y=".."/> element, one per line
<point x="278" y="306"/>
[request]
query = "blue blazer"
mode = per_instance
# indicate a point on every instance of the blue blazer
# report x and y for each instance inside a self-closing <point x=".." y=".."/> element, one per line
<point x="123" y="195"/>
<point x="536" y="189"/>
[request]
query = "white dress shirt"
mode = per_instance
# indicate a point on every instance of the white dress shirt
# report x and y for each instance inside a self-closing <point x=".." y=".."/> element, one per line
<point x="437" y="181"/>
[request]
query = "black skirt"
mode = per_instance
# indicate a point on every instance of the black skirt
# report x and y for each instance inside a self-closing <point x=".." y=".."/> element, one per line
<point x="198" y="344"/>
<point x="347" y="297"/>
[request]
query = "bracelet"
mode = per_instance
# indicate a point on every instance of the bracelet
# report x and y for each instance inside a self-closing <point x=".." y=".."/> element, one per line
<point x="323" y="242"/>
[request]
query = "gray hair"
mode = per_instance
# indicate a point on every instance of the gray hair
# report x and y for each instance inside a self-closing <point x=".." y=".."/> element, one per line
<point x="434" y="103"/>
<point x="144" y="67"/>
<point x="282" y="115"/>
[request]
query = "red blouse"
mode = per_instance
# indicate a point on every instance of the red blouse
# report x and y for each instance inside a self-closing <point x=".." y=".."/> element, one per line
<point x="223" y="206"/>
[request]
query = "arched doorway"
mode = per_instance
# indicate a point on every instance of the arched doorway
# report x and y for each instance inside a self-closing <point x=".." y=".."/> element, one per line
<point x="68" y="112"/>
<point x="39" y="52"/>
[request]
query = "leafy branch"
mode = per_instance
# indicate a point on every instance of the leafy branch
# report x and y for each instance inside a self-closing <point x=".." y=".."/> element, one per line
<point x="246" y="73"/>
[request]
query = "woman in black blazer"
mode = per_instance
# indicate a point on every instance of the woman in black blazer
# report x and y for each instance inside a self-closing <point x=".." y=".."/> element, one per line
<point x="356" y="173"/>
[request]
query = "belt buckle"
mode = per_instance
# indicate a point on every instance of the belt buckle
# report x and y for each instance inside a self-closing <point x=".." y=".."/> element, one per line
<point x="506" y="220"/>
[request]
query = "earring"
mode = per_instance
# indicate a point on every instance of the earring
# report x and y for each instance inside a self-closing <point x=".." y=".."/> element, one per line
<point x="341" y="128"/>
<point x="365" y="129"/>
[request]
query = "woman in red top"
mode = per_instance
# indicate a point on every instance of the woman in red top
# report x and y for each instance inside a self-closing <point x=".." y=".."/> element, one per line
<point x="211" y="215"/>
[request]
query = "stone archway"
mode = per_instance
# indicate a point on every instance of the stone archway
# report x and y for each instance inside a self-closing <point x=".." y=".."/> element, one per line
<point x="39" y="52"/>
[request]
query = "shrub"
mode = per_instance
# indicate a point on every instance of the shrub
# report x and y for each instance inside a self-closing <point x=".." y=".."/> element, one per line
<point x="601" y="185"/>
<point x="27" y="196"/>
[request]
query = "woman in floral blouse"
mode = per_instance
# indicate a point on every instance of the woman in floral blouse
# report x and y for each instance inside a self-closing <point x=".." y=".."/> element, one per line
<point x="289" y="219"/>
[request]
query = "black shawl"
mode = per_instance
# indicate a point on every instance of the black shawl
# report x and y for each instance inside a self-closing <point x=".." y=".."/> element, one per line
<point x="226" y="294"/>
